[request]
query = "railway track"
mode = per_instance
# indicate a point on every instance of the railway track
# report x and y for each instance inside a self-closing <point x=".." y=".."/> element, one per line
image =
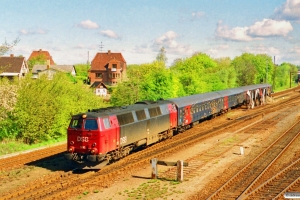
<point x="60" y="185"/>
<point x="242" y="183"/>
<point x="273" y="187"/>
<point x="18" y="160"/>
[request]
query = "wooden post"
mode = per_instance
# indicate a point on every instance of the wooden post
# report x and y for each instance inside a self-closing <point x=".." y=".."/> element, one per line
<point x="154" y="168"/>
<point x="180" y="170"/>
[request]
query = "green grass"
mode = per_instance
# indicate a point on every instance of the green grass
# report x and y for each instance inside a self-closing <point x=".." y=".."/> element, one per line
<point x="285" y="87"/>
<point x="12" y="146"/>
<point x="152" y="189"/>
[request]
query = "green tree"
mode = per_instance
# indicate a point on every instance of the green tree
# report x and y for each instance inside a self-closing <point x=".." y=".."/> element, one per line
<point x="245" y="69"/>
<point x="226" y="72"/>
<point x="44" y="107"/>
<point x="151" y="81"/>
<point x="157" y="83"/>
<point x="5" y="47"/>
<point x="41" y="59"/>
<point x="197" y="74"/>
<point x="285" y="74"/>
<point x="162" y="57"/>
<point x="82" y="71"/>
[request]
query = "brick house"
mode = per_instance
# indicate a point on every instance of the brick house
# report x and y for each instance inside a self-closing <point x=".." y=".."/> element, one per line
<point x="11" y="67"/>
<point x="108" y="68"/>
<point x="45" y="54"/>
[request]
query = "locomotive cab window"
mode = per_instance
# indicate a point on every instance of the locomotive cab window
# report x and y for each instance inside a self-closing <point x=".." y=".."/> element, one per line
<point x="76" y="123"/>
<point x="106" y="122"/>
<point x="90" y="124"/>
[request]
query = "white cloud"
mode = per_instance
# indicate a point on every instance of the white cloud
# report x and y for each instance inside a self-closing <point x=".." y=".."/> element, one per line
<point x="296" y="50"/>
<point x="223" y="47"/>
<point x="32" y="31"/>
<point x="109" y="34"/>
<point x="168" y="41"/>
<point x="88" y="24"/>
<point x="80" y="46"/>
<point x="269" y="27"/>
<point x="290" y="10"/>
<point x="235" y="34"/>
<point x="215" y="51"/>
<point x="141" y="49"/>
<point x="197" y="15"/>
<point x="259" y="30"/>
<point x="261" y="49"/>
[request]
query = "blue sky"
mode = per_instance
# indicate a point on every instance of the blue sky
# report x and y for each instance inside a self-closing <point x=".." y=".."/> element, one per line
<point x="72" y="31"/>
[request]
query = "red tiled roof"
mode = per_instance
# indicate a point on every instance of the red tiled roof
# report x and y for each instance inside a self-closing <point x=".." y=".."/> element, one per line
<point x="11" y="64"/>
<point x="41" y="52"/>
<point x="102" y="59"/>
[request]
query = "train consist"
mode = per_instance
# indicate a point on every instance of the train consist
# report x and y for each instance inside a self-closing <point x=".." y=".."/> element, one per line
<point x="101" y="136"/>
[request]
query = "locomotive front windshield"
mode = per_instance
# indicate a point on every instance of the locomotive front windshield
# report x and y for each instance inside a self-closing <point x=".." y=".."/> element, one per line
<point x="87" y="124"/>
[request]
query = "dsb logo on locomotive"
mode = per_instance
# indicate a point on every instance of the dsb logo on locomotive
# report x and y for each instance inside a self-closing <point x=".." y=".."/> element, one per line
<point x="82" y="139"/>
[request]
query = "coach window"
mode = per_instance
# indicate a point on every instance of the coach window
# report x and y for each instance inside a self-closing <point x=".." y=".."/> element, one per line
<point x="106" y="123"/>
<point x="90" y="124"/>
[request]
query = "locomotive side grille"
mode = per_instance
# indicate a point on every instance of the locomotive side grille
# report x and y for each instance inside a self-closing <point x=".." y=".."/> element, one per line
<point x="125" y="118"/>
<point x="154" y="111"/>
<point x="141" y="115"/>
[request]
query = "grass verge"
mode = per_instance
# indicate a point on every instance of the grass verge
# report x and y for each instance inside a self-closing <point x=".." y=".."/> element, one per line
<point x="13" y="146"/>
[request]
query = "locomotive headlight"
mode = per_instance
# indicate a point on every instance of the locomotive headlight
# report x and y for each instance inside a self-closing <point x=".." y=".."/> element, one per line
<point x="94" y="144"/>
<point x="72" y="142"/>
<point x="71" y="149"/>
<point x="94" y="151"/>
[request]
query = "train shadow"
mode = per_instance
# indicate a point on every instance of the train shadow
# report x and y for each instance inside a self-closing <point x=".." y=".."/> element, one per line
<point x="55" y="162"/>
<point x="58" y="162"/>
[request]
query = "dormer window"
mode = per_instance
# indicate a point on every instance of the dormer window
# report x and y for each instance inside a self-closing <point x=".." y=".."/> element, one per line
<point x="114" y="68"/>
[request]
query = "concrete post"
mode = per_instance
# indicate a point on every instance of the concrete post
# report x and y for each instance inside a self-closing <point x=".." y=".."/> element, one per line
<point x="154" y="168"/>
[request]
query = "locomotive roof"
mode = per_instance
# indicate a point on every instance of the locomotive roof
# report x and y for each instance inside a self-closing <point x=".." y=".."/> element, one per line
<point x="104" y="112"/>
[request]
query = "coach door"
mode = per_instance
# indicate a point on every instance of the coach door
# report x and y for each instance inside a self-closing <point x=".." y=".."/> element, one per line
<point x="187" y="115"/>
<point x="225" y="105"/>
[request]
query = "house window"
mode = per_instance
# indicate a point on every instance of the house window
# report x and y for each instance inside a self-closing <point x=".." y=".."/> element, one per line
<point x="114" y="68"/>
<point x="98" y="75"/>
<point x="114" y="75"/>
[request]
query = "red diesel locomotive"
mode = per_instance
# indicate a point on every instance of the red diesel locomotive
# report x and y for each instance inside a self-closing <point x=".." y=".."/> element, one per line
<point x="104" y="135"/>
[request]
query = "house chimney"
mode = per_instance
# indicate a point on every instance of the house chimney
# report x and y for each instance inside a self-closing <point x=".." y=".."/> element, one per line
<point x="11" y="55"/>
<point x="108" y="52"/>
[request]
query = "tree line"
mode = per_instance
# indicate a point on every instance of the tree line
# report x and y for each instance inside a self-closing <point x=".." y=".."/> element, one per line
<point x="199" y="74"/>
<point x="35" y="110"/>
